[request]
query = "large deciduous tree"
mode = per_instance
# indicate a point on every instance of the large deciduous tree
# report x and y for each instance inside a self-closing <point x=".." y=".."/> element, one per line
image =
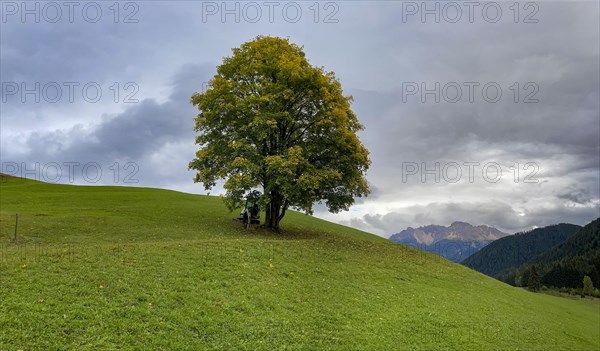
<point x="271" y="121"/>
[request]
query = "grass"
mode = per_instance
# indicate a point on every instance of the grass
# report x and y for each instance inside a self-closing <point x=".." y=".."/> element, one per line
<point x="115" y="268"/>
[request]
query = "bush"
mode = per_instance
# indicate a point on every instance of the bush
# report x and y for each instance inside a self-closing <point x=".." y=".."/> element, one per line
<point x="588" y="286"/>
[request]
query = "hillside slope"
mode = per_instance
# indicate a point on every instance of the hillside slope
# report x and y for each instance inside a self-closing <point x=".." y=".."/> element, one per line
<point x="584" y="242"/>
<point x="513" y="251"/>
<point x="111" y="268"/>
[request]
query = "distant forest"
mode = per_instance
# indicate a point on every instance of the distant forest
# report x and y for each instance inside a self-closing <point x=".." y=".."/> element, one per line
<point x="562" y="254"/>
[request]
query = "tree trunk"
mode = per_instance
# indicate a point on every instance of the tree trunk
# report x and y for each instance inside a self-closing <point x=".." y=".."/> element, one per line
<point x="268" y="216"/>
<point x="275" y="211"/>
<point x="274" y="215"/>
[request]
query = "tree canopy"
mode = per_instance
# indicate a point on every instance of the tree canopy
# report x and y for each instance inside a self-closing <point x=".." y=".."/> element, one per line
<point x="271" y="121"/>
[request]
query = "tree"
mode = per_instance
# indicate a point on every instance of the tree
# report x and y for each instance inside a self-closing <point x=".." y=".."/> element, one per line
<point x="588" y="286"/>
<point x="534" y="283"/>
<point x="271" y="121"/>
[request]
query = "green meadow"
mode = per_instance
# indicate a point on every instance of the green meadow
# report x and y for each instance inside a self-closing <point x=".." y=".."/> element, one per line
<point x="121" y="268"/>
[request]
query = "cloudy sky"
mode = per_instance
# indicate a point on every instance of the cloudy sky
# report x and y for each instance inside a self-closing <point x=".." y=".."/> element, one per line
<point x="481" y="112"/>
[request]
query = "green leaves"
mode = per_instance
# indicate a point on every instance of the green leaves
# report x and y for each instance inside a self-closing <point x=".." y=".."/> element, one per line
<point x="270" y="120"/>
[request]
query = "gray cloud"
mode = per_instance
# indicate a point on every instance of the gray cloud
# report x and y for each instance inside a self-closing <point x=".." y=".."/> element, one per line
<point x="575" y="194"/>
<point x="493" y="213"/>
<point x="138" y="135"/>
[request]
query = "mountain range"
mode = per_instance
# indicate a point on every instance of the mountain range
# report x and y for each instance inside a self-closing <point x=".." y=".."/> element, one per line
<point x="455" y="242"/>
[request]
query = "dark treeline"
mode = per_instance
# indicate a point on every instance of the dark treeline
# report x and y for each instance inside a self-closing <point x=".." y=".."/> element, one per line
<point x="509" y="253"/>
<point x="564" y="265"/>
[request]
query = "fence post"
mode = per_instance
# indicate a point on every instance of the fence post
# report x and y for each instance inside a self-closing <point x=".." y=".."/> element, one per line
<point x="16" y="225"/>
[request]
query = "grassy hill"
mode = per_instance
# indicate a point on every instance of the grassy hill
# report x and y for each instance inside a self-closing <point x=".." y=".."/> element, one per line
<point x="115" y="268"/>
